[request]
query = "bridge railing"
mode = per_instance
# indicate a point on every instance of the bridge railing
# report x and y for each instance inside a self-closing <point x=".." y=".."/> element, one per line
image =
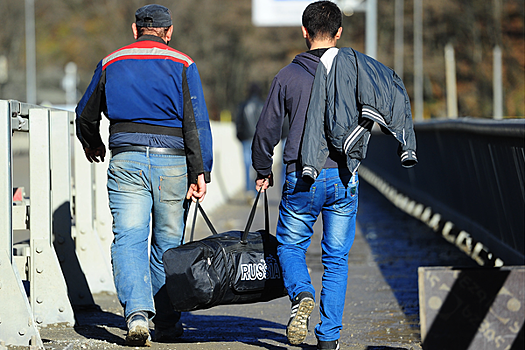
<point x="469" y="184"/>
<point x="32" y="287"/>
<point x="66" y="258"/>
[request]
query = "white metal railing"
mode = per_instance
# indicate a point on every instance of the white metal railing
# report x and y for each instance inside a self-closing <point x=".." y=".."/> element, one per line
<point x="67" y="256"/>
<point x="64" y="261"/>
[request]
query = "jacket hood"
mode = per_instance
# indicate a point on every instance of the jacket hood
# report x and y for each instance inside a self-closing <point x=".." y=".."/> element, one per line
<point x="308" y="61"/>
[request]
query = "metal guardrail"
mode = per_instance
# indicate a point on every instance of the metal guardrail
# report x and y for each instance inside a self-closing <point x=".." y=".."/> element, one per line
<point x="67" y="257"/>
<point x="65" y="260"/>
<point x="469" y="184"/>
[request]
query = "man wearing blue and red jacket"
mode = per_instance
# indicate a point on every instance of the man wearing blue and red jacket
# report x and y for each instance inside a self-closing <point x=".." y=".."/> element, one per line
<point x="161" y="157"/>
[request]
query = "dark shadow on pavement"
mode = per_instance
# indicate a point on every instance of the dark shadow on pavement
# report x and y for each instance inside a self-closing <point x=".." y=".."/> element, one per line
<point x="64" y="244"/>
<point x="252" y="331"/>
<point x="93" y="323"/>
<point x="400" y="244"/>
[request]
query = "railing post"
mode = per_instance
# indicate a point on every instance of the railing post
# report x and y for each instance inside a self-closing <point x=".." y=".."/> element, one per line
<point x="77" y="286"/>
<point x="6" y="186"/>
<point x="88" y="246"/>
<point x="450" y="69"/>
<point x="103" y="218"/>
<point x="17" y="326"/>
<point x="498" y="83"/>
<point x="48" y="296"/>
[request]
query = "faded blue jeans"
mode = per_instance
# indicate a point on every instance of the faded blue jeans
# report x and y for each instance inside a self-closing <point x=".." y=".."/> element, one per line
<point x="334" y="197"/>
<point x="144" y="186"/>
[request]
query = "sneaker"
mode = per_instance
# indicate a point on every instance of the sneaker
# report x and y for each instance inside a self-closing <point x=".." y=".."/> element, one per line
<point x="138" y="329"/>
<point x="168" y="335"/>
<point x="302" y="307"/>
<point x="328" y="345"/>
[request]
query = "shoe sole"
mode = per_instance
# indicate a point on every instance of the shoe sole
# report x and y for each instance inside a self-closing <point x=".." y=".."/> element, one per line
<point x="298" y="328"/>
<point x="138" y="337"/>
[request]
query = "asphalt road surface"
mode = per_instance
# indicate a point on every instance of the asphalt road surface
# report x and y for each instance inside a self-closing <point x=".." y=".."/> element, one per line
<point x="381" y="312"/>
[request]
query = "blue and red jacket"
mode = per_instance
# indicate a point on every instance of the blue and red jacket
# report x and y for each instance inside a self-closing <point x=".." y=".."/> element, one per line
<point x="152" y="96"/>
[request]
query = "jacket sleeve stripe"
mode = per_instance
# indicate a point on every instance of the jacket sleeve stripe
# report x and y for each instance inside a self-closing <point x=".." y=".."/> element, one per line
<point x="310" y="171"/>
<point x="356" y="134"/>
<point x="374" y="115"/>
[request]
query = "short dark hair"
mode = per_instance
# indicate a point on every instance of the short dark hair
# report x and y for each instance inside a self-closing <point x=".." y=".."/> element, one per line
<point x="160" y="32"/>
<point x="322" y="19"/>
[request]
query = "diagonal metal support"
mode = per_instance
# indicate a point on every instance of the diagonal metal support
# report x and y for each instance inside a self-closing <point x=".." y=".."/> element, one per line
<point x="17" y="326"/>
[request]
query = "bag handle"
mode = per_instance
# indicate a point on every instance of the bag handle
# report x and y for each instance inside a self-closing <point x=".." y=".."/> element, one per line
<point x="244" y="238"/>
<point x="208" y="222"/>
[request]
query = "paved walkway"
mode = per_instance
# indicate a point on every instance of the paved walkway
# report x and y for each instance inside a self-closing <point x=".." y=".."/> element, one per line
<point x="381" y="310"/>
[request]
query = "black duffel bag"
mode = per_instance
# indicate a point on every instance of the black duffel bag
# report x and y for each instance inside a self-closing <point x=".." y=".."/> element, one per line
<point x="234" y="267"/>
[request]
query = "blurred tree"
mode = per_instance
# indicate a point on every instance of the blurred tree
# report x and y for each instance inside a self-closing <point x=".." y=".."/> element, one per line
<point x="230" y="52"/>
<point x="12" y="41"/>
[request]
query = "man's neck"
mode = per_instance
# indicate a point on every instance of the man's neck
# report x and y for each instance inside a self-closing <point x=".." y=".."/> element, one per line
<point x="152" y="38"/>
<point x="322" y="44"/>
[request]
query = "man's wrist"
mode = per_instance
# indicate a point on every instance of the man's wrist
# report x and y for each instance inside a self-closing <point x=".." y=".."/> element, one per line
<point x="262" y="176"/>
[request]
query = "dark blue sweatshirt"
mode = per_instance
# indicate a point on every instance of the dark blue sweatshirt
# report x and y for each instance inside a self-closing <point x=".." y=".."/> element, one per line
<point x="289" y="96"/>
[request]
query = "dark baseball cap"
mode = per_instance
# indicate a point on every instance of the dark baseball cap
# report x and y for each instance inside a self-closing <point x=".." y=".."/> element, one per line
<point x="153" y="15"/>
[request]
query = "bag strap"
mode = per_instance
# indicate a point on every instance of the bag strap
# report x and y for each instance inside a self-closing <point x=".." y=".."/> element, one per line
<point x="244" y="238"/>
<point x="208" y="222"/>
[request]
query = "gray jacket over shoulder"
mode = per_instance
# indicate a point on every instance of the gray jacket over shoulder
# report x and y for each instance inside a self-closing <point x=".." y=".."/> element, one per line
<point x="351" y="91"/>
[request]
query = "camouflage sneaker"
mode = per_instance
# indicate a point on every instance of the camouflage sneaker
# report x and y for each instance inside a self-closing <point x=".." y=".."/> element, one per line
<point x="302" y="307"/>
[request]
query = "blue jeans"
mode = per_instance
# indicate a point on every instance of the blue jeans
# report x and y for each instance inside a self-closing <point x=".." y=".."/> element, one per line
<point x="143" y="186"/>
<point x="333" y="196"/>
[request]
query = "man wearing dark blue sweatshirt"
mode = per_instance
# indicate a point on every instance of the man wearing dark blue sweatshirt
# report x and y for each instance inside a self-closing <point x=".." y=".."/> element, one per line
<point x="333" y="194"/>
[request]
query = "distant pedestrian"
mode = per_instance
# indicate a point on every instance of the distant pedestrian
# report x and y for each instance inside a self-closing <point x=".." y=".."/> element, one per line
<point x="161" y="146"/>
<point x="247" y="116"/>
<point x="321" y="175"/>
